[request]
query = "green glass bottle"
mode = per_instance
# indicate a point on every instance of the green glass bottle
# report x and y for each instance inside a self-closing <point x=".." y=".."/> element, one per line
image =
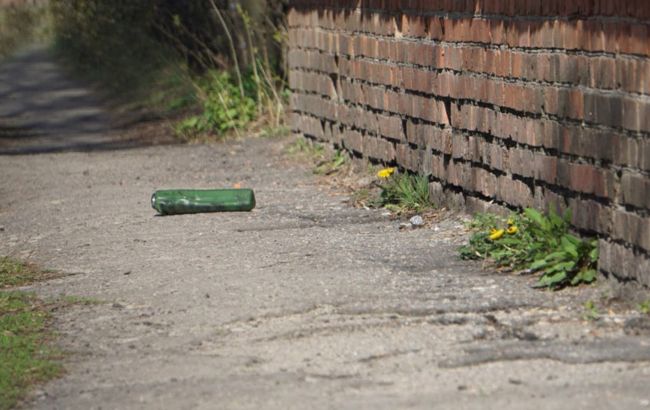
<point x="191" y="201"/>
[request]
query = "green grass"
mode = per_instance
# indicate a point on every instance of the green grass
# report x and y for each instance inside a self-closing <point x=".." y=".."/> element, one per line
<point x="331" y="165"/>
<point x="404" y="193"/>
<point x="76" y="300"/>
<point x="591" y="311"/>
<point x="25" y="356"/>
<point x="362" y="197"/>
<point x="24" y="353"/>
<point x="17" y="273"/>
<point x="307" y="149"/>
<point x="274" y="132"/>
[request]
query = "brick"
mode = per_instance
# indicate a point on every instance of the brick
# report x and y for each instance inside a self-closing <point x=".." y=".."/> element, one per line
<point x="391" y="126"/>
<point x="631" y="228"/>
<point x="408" y="157"/>
<point x="514" y="192"/>
<point x="522" y="162"/>
<point x="378" y="148"/>
<point x="484" y="182"/>
<point x="586" y="178"/>
<point x="624" y="262"/>
<point x="352" y="140"/>
<point x="458" y="174"/>
<point x="635" y="189"/>
<point x="545" y="200"/>
<point x="476" y="205"/>
<point x="590" y="215"/>
<point x="436" y="193"/>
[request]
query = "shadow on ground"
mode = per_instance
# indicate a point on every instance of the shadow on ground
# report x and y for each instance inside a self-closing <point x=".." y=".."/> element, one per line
<point x="42" y="110"/>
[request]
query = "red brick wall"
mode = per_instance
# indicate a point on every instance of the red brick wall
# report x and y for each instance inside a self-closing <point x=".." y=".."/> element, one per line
<point x="515" y="103"/>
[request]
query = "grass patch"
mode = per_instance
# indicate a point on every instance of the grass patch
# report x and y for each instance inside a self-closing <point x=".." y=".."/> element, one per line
<point x="17" y="273"/>
<point x="26" y="357"/>
<point x="590" y="311"/>
<point x="534" y="243"/>
<point x="304" y="148"/>
<point x="68" y="300"/>
<point x="400" y="193"/>
<point x="331" y="165"/>
<point x="274" y="132"/>
<point x="24" y="353"/>
<point x="326" y="161"/>
<point x="403" y="193"/>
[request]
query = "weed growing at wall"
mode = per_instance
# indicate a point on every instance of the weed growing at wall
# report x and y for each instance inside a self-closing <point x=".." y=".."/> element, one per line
<point x="403" y="193"/>
<point x="535" y="243"/>
<point x="305" y="148"/>
<point x="331" y="165"/>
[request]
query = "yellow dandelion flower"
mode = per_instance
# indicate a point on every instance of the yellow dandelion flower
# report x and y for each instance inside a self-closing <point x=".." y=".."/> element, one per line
<point x="385" y="173"/>
<point x="496" y="234"/>
<point x="510" y="222"/>
<point x="513" y="230"/>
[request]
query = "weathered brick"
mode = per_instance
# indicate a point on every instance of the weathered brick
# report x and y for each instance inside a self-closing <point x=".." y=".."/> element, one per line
<point x="631" y="228"/>
<point x="436" y="193"/>
<point x="378" y="148"/>
<point x="484" y="182"/>
<point x="624" y="262"/>
<point x="514" y="192"/>
<point x="477" y="205"/>
<point x="586" y="178"/>
<point x="590" y="215"/>
<point x="408" y="157"/>
<point x="635" y="189"/>
<point x="352" y="140"/>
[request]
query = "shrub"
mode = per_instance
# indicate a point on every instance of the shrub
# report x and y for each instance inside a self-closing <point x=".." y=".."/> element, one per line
<point x="224" y="107"/>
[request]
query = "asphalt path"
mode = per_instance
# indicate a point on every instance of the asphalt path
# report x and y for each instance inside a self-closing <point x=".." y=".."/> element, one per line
<point x="303" y="303"/>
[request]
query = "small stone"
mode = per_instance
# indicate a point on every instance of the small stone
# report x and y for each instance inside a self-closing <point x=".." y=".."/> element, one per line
<point x="417" y="221"/>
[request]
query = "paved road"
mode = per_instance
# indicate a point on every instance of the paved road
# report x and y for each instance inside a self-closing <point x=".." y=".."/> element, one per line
<point x="303" y="303"/>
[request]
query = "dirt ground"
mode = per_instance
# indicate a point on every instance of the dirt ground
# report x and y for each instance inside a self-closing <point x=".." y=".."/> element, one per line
<point x="305" y="302"/>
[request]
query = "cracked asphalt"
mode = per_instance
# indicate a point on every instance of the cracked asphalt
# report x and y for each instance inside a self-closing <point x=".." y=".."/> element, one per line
<point x="303" y="303"/>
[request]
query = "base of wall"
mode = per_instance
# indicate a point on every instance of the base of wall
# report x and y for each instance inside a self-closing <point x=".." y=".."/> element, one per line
<point x="617" y="263"/>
